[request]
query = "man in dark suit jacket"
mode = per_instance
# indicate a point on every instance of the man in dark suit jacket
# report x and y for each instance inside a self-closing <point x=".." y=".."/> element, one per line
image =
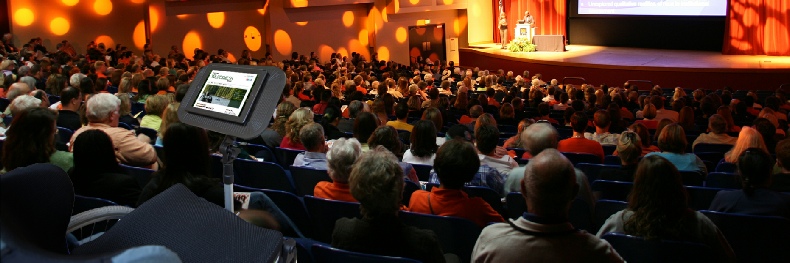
<point x="70" y="103"/>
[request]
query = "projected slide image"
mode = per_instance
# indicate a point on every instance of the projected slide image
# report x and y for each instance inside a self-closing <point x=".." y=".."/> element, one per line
<point x="653" y="7"/>
<point x="224" y="96"/>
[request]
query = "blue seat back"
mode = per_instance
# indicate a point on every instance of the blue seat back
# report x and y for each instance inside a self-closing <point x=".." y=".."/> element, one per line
<point x="577" y="158"/>
<point x="612" y="160"/>
<point x="581" y="215"/>
<point x="262" y="175"/>
<point x="456" y="235"/>
<point x="692" y="178"/>
<point x="409" y="188"/>
<point x="261" y="152"/>
<point x="64" y="134"/>
<point x="324" y="213"/>
<point x="142" y="175"/>
<point x="423" y="171"/>
<point x="305" y="179"/>
<point x="286" y="156"/>
<point x="593" y="169"/>
<point x="754" y="238"/>
<point x="516" y="205"/>
<point x="637" y="249"/>
<point x="712" y="147"/>
<point x="326" y="254"/>
<point x="723" y="180"/>
<point x="611" y="190"/>
<point x="726" y="167"/>
<point x="609" y="149"/>
<point x="489" y="195"/>
<point x="701" y="197"/>
<point x="290" y="204"/>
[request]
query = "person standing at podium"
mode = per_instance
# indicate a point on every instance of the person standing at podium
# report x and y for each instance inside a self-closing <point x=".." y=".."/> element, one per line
<point x="528" y="19"/>
<point x="503" y="28"/>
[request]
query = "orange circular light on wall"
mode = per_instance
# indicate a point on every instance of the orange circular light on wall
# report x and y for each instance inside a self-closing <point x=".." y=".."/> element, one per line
<point x="153" y="16"/>
<point x="182" y="17"/>
<point x="384" y="53"/>
<point x="70" y="2"/>
<point x="102" y="7"/>
<point x="401" y="34"/>
<point x="447" y="2"/>
<point x="191" y="42"/>
<point x="59" y="26"/>
<point x="252" y="38"/>
<point x="363" y="37"/>
<point x="302" y="23"/>
<point x="138" y="1"/>
<point x="299" y="3"/>
<point x="414" y="2"/>
<point x="348" y="18"/>
<point x="138" y="35"/>
<point x="107" y="40"/>
<point x="282" y="42"/>
<point x="324" y="52"/>
<point x="23" y="17"/>
<point x="216" y="20"/>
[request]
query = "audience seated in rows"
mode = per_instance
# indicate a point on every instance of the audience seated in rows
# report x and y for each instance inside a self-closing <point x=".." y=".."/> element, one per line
<point x="96" y="172"/>
<point x="602" y="120"/>
<point x="329" y="122"/>
<point x="388" y="137"/>
<point x="629" y="147"/>
<point x="748" y="138"/>
<point x="125" y="110"/>
<point x="754" y="168"/>
<point x="577" y="143"/>
<point x="543" y="233"/>
<point x="298" y="119"/>
<point x="537" y="138"/>
<point x="672" y="142"/>
<point x="376" y="181"/>
<point x="274" y="134"/>
<point x="103" y="112"/>
<point x="154" y="107"/>
<point x="423" y="146"/>
<point x="717" y="133"/>
<point x="312" y="137"/>
<point x="455" y="165"/>
<point x="340" y="159"/>
<point x="485" y="175"/>
<point x="486" y="140"/>
<point x="658" y="209"/>
<point x="31" y="138"/>
<point x="68" y="116"/>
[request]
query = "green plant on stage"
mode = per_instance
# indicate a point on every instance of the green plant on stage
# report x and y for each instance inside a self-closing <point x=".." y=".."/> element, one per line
<point x="521" y="44"/>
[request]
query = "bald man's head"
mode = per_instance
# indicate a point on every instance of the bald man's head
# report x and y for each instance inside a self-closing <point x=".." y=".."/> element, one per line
<point x="549" y="183"/>
<point x="540" y="136"/>
<point x="17" y="89"/>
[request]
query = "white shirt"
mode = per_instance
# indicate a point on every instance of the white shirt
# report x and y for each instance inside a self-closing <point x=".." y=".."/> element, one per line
<point x="503" y="165"/>
<point x="408" y="157"/>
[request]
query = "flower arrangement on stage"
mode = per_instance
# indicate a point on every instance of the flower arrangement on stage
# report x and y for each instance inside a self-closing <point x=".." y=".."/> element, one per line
<point x="521" y="44"/>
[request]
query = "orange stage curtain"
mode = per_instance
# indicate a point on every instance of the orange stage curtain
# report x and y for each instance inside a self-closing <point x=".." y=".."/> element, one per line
<point x="757" y="27"/>
<point x="550" y="16"/>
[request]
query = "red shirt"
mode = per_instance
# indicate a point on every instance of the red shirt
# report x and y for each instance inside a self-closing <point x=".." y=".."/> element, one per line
<point x="581" y="145"/>
<point x="286" y="143"/>
<point x="649" y="124"/>
<point x="333" y="191"/>
<point x="493" y="102"/>
<point x="363" y="90"/>
<point x="320" y="107"/>
<point x="454" y="202"/>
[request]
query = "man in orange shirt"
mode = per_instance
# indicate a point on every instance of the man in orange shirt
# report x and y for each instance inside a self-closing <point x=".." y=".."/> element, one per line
<point x="577" y="143"/>
<point x="456" y="164"/>
<point x="340" y="158"/>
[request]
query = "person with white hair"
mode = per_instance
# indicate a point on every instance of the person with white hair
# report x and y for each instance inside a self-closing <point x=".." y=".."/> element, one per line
<point x="102" y="111"/>
<point x="17" y="106"/>
<point x="30" y="81"/>
<point x="340" y="159"/>
<point x="75" y="79"/>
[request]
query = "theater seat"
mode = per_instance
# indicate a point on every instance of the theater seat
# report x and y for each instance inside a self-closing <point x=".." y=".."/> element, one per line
<point x="637" y="249"/>
<point x="326" y="254"/>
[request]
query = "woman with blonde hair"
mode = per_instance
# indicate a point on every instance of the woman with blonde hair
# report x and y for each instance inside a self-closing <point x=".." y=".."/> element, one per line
<point x="125" y="86"/>
<point x="747" y="138"/>
<point x="679" y="94"/>
<point x="273" y="135"/>
<point x="169" y="117"/>
<point x="296" y="121"/>
<point x="154" y="107"/>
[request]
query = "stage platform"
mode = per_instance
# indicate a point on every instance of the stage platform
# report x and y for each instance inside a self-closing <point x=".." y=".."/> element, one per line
<point x="615" y="65"/>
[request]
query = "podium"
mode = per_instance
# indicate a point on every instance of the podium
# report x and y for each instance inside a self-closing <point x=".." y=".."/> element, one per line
<point x="524" y="30"/>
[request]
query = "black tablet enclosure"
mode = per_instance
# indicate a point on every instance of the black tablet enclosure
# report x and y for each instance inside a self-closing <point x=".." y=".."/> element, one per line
<point x="234" y="100"/>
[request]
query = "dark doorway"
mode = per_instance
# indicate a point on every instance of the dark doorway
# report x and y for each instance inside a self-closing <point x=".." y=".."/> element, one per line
<point x="427" y="42"/>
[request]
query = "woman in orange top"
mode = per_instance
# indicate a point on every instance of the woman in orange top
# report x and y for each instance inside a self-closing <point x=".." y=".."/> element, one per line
<point x="456" y="163"/>
<point x="341" y="157"/>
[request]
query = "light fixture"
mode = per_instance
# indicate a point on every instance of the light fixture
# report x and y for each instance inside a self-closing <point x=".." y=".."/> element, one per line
<point x="427" y="21"/>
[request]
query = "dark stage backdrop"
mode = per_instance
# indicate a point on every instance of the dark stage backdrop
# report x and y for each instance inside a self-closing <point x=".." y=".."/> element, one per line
<point x="680" y="33"/>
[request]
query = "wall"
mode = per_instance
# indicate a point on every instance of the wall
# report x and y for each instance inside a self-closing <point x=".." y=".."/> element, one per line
<point x="233" y="31"/>
<point x="379" y="26"/>
<point x="79" y="22"/>
<point x="481" y="28"/>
